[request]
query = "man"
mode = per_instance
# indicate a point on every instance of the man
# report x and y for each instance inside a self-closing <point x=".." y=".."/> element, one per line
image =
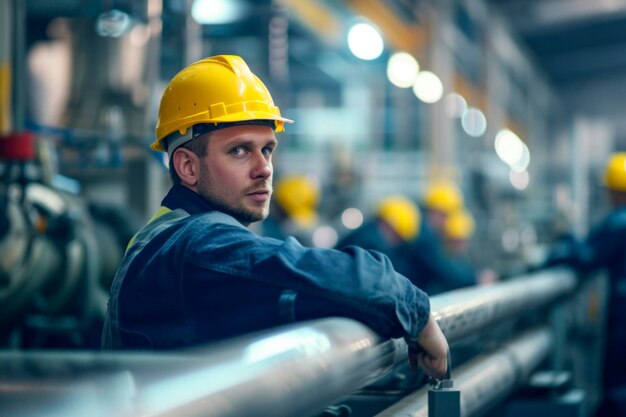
<point x="432" y="269"/>
<point x="396" y="223"/>
<point x="196" y="274"/>
<point x="457" y="231"/>
<point x="441" y="199"/>
<point x="604" y="247"/>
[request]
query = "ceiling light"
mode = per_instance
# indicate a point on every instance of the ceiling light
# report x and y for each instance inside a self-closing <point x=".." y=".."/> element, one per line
<point x="365" y="42"/>
<point x="474" y="122"/>
<point x="428" y="87"/>
<point x="217" y="12"/>
<point x="402" y="69"/>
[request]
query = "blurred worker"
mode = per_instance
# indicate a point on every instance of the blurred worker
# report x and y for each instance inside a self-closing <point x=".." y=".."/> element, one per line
<point x="397" y="222"/>
<point x="458" y="230"/>
<point x="604" y="247"/>
<point x="441" y="199"/>
<point x="432" y="268"/>
<point x="294" y="209"/>
<point x="195" y="273"/>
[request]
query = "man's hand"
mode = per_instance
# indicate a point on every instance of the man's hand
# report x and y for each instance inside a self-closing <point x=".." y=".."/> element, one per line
<point x="433" y="355"/>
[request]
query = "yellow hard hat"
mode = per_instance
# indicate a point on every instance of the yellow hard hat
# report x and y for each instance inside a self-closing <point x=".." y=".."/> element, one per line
<point x="615" y="173"/>
<point x="218" y="89"/>
<point x="401" y="214"/>
<point x="459" y="225"/>
<point x="443" y="196"/>
<point x="298" y="196"/>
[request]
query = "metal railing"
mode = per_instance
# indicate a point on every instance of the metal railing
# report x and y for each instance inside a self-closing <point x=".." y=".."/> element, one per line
<point x="293" y="370"/>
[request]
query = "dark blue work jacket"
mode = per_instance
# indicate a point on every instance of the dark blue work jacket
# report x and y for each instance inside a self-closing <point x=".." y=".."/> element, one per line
<point x="432" y="269"/>
<point x="195" y="275"/>
<point x="370" y="236"/>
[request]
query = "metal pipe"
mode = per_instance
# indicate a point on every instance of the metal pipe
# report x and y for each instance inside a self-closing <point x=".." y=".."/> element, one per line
<point x="465" y="311"/>
<point x="487" y="379"/>
<point x="317" y="363"/>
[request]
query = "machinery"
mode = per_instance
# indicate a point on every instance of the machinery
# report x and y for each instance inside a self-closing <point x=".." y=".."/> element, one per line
<point x="59" y="254"/>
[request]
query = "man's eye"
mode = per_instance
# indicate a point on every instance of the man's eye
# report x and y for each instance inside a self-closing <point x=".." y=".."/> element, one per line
<point x="268" y="150"/>
<point x="237" y="151"/>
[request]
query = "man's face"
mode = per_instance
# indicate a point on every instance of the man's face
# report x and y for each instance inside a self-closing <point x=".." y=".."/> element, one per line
<point x="436" y="219"/>
<point x="236" y="174"/>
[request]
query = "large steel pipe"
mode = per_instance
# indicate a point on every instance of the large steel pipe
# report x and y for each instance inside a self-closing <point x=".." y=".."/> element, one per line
<point x="317" y="363"/>
<point x="314" y="363"/>
<point x="465" y="311"/>
<point x="487" y="379"/>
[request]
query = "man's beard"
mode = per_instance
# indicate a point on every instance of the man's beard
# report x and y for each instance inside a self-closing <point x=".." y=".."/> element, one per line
<point x="240" y="213"/>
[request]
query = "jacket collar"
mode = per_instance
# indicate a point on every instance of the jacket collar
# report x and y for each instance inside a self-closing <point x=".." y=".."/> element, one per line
<point x="180" y="197"/>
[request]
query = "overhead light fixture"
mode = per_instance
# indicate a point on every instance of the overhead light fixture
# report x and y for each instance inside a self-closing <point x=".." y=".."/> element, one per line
<point x="428" y="87"/>
<point x="474" y="122"/>
<point x="523" y="162"/>
<point x="519" y="180"/>
<point x="402" y="69"/>
<point x="217" y="12"/>
<point x="511" y="150"/>
<point x="455" y="105"/>
<point x="113" y="23"/>
<point x="365" y="42"/>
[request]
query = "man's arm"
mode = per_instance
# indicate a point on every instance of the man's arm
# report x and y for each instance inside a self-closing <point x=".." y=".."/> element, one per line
<point x="353" y="283"/>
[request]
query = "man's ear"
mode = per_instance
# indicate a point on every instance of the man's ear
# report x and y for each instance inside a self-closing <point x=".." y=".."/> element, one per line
<point x="187" y="166"/>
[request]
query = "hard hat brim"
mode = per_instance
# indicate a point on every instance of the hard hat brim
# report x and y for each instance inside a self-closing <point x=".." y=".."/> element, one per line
<point x="225" y="121"/>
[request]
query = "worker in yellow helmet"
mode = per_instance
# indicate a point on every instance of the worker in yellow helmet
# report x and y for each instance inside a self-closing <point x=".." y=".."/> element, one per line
<point x="615" y="177"/>
<point x="400" y="216"/>
<point x="605" y="247"/>
<point x="431" y="265"/>
<point x="458" y="230"/>
<point x="395" y="224"/>
<point x="294" y="209"/>
<point x="299" y="197"/>
<point x="440" y="200"/>
<point x="196" y="274"/>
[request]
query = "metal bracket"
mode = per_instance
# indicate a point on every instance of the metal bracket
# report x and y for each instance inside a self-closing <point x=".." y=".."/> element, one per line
<point x="443" y="399"/>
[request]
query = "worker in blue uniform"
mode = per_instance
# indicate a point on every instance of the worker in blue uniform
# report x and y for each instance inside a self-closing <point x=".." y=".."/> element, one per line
<point x="195" y="273"/>
<point x="395" y="224"/>
<point x="458" y="231"/>
<point x="432" y="269"/>
<point x="605" y="247"/>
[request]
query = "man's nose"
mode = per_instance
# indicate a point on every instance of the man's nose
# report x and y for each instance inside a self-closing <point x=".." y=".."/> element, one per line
<point x="262" y="166"/>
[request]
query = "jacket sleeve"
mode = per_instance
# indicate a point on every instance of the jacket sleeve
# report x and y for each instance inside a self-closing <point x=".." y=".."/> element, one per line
<point x="352" y="282"/>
